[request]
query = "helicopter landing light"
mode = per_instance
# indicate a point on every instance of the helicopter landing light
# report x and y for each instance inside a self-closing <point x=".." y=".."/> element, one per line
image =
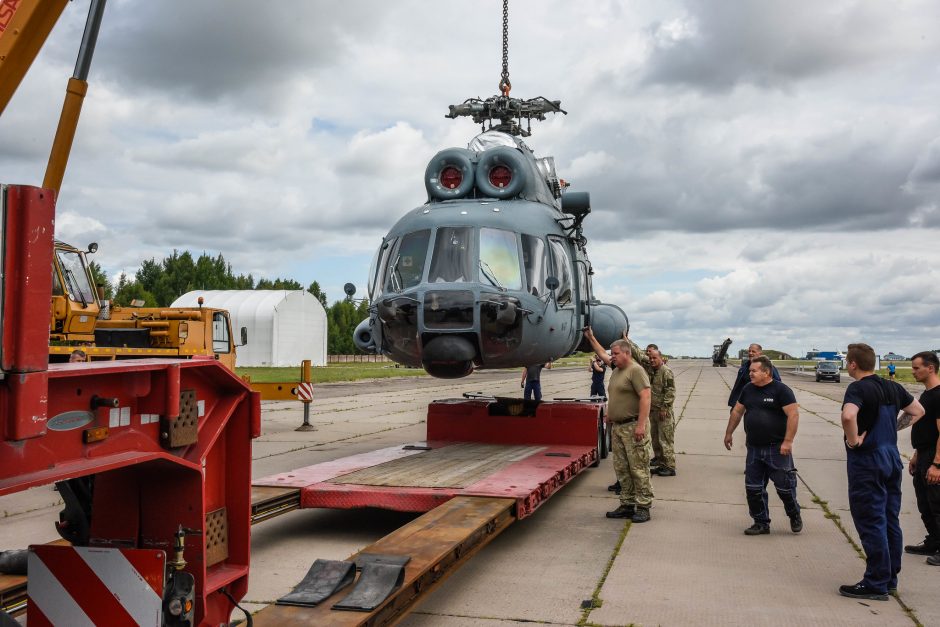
<point x="463" y="213"/>
<point x="496" y="209"/>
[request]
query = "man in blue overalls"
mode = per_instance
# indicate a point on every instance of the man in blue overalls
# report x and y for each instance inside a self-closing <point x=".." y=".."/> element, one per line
<point x="873" y="464"/>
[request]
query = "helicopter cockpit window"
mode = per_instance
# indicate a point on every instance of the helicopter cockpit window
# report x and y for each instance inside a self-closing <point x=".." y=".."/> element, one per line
<point x="561" y="268"/>
<point x="499" y="259"/>
<point x="377" y="270"/>
<point x="77" y="284"/>
<point x="451" y="260"/>
<point x="535" y="258"/>
<point x="406" y="263"/>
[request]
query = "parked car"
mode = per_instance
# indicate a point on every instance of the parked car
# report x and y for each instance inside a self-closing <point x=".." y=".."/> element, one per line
<point x="828" y="370"/>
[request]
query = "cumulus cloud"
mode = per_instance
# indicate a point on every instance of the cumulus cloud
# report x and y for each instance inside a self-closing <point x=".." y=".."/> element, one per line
<point x="757" y="169"/>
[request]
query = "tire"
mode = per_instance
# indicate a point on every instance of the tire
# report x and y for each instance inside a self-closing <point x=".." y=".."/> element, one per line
<point x="817" y="378"/>
<point x="459" y="158"/>
<point x="838" y="379"/>
<point x="600" y="442"/>
<point x="493" y="157"/>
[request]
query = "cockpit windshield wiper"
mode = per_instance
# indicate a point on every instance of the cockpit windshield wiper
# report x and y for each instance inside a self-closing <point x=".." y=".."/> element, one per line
<point x="72" y="284"/>
<point x="488" y="273"/>
<point x="397" y="281"/>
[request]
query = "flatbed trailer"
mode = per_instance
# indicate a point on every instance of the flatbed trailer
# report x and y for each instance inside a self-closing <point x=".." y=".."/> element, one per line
<point x="487" y="462"/>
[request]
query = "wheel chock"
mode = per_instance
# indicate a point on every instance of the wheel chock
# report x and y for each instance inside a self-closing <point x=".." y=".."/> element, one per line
<point x="375" y="584"/>
<point x="323" y="579"/>
<point x="378" y="558"/>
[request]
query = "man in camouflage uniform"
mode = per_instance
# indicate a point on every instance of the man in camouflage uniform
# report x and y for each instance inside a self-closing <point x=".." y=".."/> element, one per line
<point x="662" y="420"/>
<point x="628" y="409"/>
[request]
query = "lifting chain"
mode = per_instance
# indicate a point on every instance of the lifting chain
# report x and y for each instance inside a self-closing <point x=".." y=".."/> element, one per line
<point x="504" y="84"/>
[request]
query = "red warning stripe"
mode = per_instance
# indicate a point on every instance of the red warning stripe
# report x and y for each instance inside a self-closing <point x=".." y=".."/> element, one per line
<point x="86" y="589"/>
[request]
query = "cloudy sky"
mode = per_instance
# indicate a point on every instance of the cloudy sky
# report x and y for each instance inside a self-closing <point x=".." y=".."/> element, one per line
<point x="762" y="170"/>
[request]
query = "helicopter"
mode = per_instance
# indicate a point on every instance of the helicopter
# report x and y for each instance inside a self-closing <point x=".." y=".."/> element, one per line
<point x="492" y="271"/>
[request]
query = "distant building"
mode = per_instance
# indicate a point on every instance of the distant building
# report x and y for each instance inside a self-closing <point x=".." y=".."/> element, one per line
<point x="893" y="357"/>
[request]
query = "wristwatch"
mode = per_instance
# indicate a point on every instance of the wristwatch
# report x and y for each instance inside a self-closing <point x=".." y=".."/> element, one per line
<point x="935" y="464"/>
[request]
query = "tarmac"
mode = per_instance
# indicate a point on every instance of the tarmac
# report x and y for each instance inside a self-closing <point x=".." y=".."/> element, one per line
<point x="568" y="564"/>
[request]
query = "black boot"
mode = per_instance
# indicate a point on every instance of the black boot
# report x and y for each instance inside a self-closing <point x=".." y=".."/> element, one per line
<point x="928" y="547"/>
<point x="614" y="487"/>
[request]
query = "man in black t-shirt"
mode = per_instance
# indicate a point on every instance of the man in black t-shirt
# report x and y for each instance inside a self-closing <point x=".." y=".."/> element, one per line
<point x="925" y="464"/>
<point x="874" y="469"/>
<point x="771" y="416"/>
<point x="744" y="373"/>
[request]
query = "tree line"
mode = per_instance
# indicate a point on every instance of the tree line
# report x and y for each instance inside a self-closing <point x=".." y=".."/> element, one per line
<point x="159" y="283"/>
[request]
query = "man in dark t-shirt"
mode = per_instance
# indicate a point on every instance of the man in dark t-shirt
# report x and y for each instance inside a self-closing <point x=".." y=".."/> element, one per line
<point x="925" y="463"/>
<point x="771" y="416"/>
<point x="744" y="373"/>
<point x="873" y="467"/>
<point x="598" y="372"/>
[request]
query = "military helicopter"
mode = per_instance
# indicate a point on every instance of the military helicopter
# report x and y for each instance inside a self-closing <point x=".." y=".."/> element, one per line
<point x="492" y="271"/>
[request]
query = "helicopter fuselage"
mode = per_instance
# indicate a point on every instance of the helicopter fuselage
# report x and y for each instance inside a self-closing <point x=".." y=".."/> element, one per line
<point x="480" y="282"/>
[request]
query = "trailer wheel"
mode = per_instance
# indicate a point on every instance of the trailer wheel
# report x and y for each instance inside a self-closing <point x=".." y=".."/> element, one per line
<point x="601" y="441"/>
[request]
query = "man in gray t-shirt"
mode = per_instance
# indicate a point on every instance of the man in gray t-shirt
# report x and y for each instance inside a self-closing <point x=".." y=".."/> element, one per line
<point x="531" y="381"/>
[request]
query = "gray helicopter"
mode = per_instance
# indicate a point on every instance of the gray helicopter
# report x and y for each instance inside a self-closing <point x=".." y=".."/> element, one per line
<point x="491" y="272"/>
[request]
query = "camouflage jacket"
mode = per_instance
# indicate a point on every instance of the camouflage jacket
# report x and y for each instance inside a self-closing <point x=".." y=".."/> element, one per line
<point x="662" y="388"/>
<point x="641" y="358"/>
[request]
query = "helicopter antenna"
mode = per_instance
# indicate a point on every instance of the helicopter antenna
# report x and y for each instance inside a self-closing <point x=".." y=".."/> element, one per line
<point x="502" y="112"/>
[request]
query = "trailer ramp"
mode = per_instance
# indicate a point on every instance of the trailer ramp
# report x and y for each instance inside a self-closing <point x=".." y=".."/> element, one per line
<point x="437" y="543"/>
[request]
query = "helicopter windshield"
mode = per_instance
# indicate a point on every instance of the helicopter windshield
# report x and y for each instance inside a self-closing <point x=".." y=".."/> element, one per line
<point x="536" y="263"/>
<point x="406" y="263"/>
<point x="377" y="269"/>
<point x="77" y="283"/>
<point x="562" y="270"/>
<point x="499" y="259"/>
<point x="451" y="262"/>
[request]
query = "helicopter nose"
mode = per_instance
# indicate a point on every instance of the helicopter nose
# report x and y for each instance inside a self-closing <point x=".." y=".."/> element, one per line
<point x="448" y="356"/>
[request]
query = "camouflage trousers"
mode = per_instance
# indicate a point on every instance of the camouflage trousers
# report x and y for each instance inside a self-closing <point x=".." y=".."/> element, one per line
<point x="663" y="434"/>
<point x="632" y="465"/>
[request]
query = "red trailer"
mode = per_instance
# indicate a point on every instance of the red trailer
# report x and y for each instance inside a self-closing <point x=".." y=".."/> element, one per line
<point x="152" y="459"/>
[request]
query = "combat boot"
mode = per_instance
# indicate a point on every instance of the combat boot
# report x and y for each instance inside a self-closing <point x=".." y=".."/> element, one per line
<point x="642" y="515"/>
<point x="624" y="511"/>
<point x="614" y="487"/>
<point x="757" y="529"/>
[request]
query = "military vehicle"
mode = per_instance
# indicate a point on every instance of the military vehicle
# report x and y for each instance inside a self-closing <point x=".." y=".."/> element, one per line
<point x="492" y="271"/>
<point x="720" y="354"/>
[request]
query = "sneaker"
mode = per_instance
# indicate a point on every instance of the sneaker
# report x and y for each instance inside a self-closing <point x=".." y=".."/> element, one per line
<point x="624" y="511"/>
<point x="796" y="523"/>
<point x="614" y="487"/>
<point x="757" y="529"/>
<point x="665" y="471"/>
<point x="934" y="560"/>
<point x="927" y="547"/>
<point x="861" y="591"/>
<point x="642" y="515"/>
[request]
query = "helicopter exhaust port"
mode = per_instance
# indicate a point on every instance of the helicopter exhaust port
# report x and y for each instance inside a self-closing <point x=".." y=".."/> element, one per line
<point x="448" y="356"/>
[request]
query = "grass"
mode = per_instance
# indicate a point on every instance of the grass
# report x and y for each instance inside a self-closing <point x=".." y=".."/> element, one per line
<point x="331" y="373"/>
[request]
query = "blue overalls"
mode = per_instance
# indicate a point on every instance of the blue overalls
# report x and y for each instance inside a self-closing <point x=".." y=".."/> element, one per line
<point x="874" y="475"/>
